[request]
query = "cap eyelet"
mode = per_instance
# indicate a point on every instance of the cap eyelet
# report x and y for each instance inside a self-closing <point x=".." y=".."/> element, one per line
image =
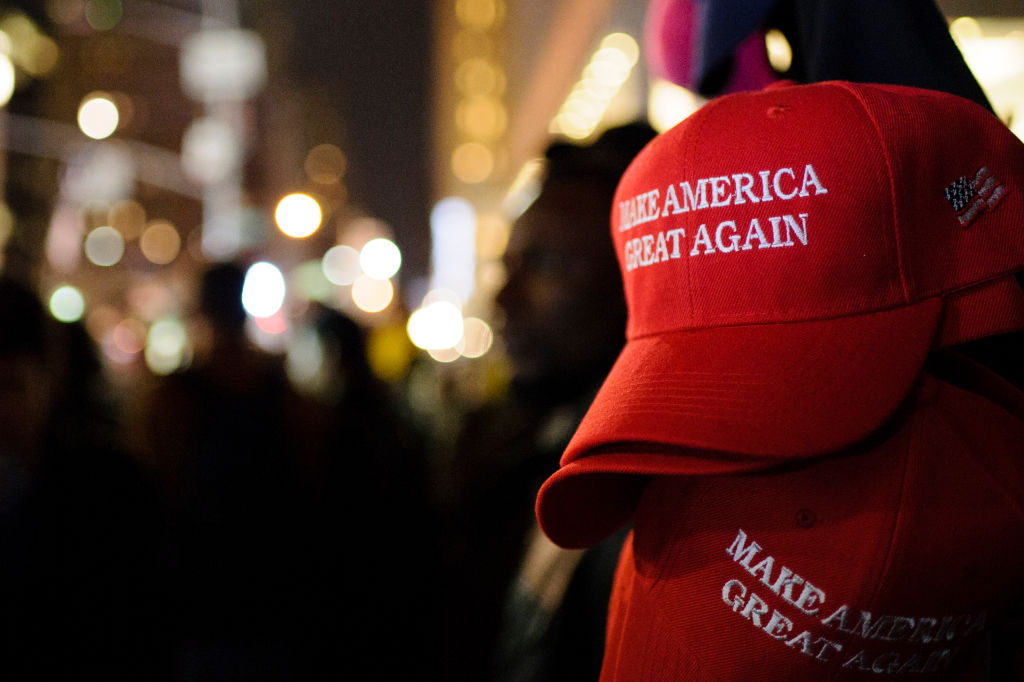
<point x="806" y="518"/>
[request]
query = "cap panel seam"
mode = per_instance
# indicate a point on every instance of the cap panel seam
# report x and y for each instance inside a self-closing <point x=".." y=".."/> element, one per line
<point x="892" y="183"/>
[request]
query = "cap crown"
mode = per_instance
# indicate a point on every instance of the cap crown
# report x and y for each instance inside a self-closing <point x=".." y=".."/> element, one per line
<point x="813" y="202"/>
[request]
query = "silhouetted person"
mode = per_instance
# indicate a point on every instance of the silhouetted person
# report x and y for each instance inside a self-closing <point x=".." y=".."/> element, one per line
<point x="80" y="585"/>
<point x="228" y="442"/>
<point x="374" y="559"/>
<point x="526" y="609"/>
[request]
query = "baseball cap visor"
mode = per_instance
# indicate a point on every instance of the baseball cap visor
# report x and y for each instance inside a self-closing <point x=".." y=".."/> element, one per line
<point x="750" y="397"/>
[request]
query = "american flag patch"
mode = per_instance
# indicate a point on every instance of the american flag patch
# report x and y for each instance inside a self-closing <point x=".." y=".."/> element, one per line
<point x="969" y="197"/>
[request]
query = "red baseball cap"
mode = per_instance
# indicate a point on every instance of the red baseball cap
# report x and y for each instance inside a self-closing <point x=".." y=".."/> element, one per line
<point x="892" y="557"/>
<point x="789" y="258"/>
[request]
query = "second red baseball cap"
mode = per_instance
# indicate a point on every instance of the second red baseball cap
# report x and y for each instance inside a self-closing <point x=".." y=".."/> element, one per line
<point x="890" y="560"/>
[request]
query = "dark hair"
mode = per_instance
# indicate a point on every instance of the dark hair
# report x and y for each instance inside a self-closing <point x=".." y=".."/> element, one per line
<point x="605" y="159"/>
<point x="220" y="295"/>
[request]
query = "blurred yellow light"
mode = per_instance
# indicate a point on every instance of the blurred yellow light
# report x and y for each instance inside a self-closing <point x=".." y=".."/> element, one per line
<point x="607" y="71"/>
<point x="467" y="44"/>
<point x="481" y="117"/>
<point x="166" y="346"/>
<point x="583" y="106"/>
<point x="372" y="295"/>
<point x="127" y="217"/>
<point x="98" y="116"/>
<point x="614" y="59"/>
<point x="668" y="104"/>
<point x="6" y="223"/>
<point x="341" y="265"/>
<point x="780" y="54"/>
<point x="325" y="164"/>
<point x="298" y="215"/>
<point x="380" y="258"/>
<point x="477" y="338"/>
<point x="624" y="43"/>
<point x="67" y="303"/>
<point x="104" y="246"/>
<point x="965" y="28"/>
<point x="7" y="79"/>
<point x="492" y="232"/>
<point x="472" y="162"/>
<point x="478" y="76"/>
<point x="479" y="14"/>
<point x="388" y="352"/>
<point x="44" y="57"/>
<point x="571" y="125"/>
<point x="103" y="15"/>
<point x="160" y="243"/>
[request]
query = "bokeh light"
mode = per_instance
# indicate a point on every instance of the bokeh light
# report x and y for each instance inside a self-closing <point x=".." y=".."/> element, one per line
<point x="263" y="290"/>
<point x="436" y="326"/>
<point x="477" y="338"/>
<point x="780" y="54"/>
<point x="444" y="354"/>
<point x="380" y="258"/>
<point x="479" y="14"/>
<point x="7" y="79"/>
<point x="372" y="295"/>
<point x="472" y="162"/>
<point x="129" y="336"/>
<point x="304" y="362"/>
<point x="128" y="217"/>
<point x="103" y="15"/>
<point x="160" y="243"/>
<point x="325" y="164"/>
<point x="166" y="345"/>
<point x="67" y="303"/>
<point x="98" y="116"/>
<point x="478" y="76"/>
<point x="609" y="67"/>
<point x="309" y="282"/>
<point x="104" y="246"/>
<point x="341" y="265"/>
<point x="298" y="215"/>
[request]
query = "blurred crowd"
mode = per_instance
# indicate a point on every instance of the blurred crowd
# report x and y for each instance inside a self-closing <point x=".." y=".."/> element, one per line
<point x="226" y="526"/>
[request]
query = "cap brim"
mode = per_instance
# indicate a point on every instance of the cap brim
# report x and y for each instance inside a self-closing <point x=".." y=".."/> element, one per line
<point x="767" y="393"/>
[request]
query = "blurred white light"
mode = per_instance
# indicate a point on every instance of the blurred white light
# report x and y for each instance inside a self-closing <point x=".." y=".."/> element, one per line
<point x="624" y="43"/>
<point x="444" y="354"/>
<point x="372" y="295"/>
<point x="298" y="215"/>
<point x="341" y="265"/>
<point x="6" y="79"/>
<point x="210" y="150"/>
<point x="67" y="303"/>
<point x="263" y="290"/>
<point x="223" y="65"/>
<point x="453" y="245"/>
<point x="166" y="345"/>
<point x="104" y="246"/>
<point x="436" y="326"/>
<point x="477" y="338"/>
<point x="304" y="362"/>
<point x="97" y="116"/>
<point x="380" y="258"/>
